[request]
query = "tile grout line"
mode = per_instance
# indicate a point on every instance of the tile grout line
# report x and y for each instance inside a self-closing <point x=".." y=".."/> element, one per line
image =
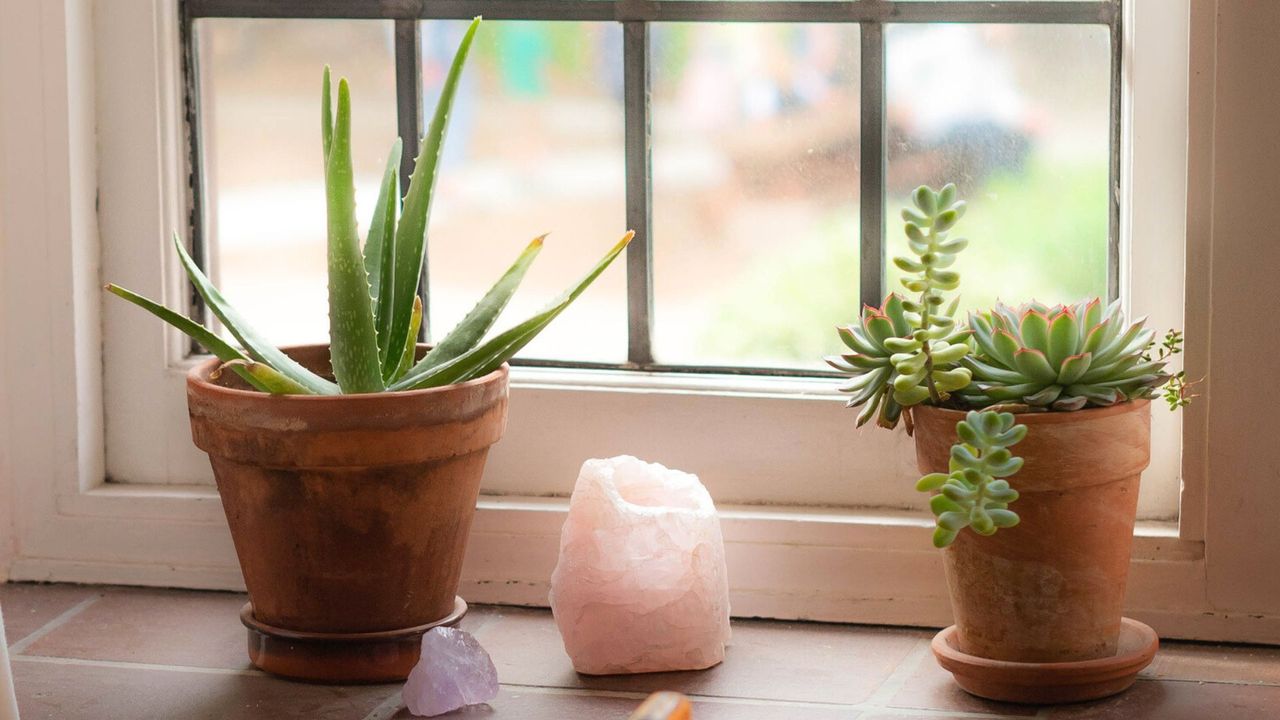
<point x="762" y="702"/>
<point x="21" y="646"/>
<point x="897" y="679"/>
<point x="123" y="665"/>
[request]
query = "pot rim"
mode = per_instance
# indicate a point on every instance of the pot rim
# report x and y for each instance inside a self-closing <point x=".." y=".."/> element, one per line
<point x="198" y="380"/>
<point x="1052" y="416"/>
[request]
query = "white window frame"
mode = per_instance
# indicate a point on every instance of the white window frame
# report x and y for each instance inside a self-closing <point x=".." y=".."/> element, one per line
<point x="94" y="167"/>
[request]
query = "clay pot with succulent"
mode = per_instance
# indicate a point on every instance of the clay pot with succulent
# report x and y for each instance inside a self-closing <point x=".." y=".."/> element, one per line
<point x="349" y="473"/>
<point x="1036" y="545"/>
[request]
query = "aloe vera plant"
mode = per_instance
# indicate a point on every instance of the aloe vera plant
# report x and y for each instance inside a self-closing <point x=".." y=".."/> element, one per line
<point x="976" y="493"/>
<point x="374" y="310"/>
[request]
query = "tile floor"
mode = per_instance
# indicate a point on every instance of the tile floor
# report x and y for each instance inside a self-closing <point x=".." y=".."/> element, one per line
<point x="108" y="653"/>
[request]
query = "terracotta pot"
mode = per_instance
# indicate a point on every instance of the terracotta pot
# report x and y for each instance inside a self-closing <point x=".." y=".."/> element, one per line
<point x="350" y="514"/>
<point x="1051" y="589"/>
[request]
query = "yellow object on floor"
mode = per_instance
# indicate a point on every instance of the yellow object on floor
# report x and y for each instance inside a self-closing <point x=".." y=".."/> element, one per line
<point x="664" y="706"/>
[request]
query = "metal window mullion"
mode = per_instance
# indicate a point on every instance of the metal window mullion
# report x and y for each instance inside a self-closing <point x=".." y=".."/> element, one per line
<point x="636" y="93"/>
<point x="195" y="159"/>
<point x="409" y="125"/>
<point x="872" y="164"/>
<point x="1113" y="185"/>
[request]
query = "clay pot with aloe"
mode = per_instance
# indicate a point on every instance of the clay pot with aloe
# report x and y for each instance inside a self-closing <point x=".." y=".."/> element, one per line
<point x="349" y="472"/>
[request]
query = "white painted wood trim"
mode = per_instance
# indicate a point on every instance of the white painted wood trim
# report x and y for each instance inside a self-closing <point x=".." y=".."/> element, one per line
<point x="1153" y="226"/>
<point x="49" y="292"/>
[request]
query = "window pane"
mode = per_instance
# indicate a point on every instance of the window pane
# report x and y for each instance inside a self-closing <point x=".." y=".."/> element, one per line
<point x="535" y="145"/>
<point x="1018" y="117"/>
<point x="264" y="187"/>
<point x="755" y="205"/>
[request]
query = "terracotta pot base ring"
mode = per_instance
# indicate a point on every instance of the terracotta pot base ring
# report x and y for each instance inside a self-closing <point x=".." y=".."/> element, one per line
<point x="346" y="658"/>
<point x="1050" y="683"/>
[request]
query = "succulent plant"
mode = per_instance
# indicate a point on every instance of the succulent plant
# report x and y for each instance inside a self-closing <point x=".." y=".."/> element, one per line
<point x="976" y="493"/>
<point x="1061" y="358"/>
<point x="906" y="351"/>
<point x="374" y="310"/>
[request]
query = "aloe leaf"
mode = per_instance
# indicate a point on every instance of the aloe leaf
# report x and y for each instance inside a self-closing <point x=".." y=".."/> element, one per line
<point x="259" y="348"/>
<point x="411" y="233"/>
<point x="194" y="330"/>
<point x="264" y="375"/>
<point x="381" y="239"/>
<point x="489" y="356"/>
<point x="326" y="115"/>
<point x="472" y="328"/>
<point x="405" y="360"/>
<point x="353" y="340"/>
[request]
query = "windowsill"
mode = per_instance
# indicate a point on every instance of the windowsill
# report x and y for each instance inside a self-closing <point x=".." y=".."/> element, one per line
<point x="903" y="530"/>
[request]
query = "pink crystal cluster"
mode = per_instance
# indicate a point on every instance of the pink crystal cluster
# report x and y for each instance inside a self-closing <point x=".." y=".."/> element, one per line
<point x="641" y="584"/>
<point x="453" y="672"/>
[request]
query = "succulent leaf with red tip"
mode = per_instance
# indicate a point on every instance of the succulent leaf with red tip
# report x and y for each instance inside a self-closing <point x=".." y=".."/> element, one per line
<point x="870" y="362"/>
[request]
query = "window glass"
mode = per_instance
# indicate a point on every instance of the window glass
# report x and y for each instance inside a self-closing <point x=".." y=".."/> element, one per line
<point x="1018" y="117"/>
<point x="535" y="145"/>
<point x="755" y="191"/>
<point x="263" y="167"/>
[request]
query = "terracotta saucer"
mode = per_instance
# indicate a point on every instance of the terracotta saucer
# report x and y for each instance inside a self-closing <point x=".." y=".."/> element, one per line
<point x="1050" y="683"/>
<point x="346" y="658"/>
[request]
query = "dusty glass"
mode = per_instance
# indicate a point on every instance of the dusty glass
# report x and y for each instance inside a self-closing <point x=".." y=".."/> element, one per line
<point x="535" y="146"/>
<point x="1018" y="117"/>
<point x="755" y="191"/>
<point x="263" y="167"/>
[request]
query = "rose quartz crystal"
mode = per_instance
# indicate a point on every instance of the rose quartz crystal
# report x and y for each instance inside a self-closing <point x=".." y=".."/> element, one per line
<point x="453" y="671"/>
<point x="641" y="583"/>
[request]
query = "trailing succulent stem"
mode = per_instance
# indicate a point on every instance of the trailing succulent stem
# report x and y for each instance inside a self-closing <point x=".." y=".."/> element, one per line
<point x="906" y="352"/>
<point x="926" y="362"/>
<point x="975" y="493"/>
<point x="374" y="310"/>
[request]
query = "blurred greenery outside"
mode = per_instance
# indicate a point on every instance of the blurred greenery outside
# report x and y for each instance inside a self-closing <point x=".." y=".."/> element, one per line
<point x="1017" y="230"/>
